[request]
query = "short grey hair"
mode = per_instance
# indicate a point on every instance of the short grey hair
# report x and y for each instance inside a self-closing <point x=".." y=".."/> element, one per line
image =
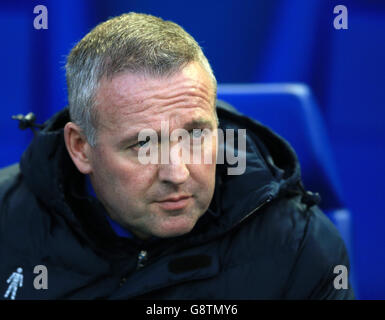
<point x="132" y="42"/>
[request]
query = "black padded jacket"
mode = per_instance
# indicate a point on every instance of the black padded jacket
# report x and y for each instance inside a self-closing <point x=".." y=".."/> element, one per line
<point x="263" y="236"/>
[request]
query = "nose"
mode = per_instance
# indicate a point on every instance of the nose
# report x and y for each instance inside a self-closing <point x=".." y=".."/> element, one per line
<point x="175" y="171"/>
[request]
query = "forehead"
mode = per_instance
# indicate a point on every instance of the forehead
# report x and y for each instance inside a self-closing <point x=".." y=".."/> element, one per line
<point x="140" y="101"/>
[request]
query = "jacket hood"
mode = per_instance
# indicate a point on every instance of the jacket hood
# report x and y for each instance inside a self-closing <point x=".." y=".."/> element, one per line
<point x="271" y="167"/>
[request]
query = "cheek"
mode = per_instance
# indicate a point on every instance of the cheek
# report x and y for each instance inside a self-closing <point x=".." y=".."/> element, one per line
<point x="206" y="170"/>
<point x="132" y="181"/>
<point x="204" y="176"/>
<point x="117" y="174"/>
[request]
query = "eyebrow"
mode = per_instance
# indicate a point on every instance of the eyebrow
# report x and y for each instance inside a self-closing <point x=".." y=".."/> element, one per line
<point x="193" y="124"/>
<point x="198" y="124"/>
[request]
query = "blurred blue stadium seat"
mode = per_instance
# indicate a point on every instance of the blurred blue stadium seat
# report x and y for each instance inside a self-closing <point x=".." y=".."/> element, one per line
<point x="291" y="111"/>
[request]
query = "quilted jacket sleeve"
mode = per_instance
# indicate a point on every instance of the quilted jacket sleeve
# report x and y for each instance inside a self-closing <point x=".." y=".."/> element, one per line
<point x="321" y="270"/>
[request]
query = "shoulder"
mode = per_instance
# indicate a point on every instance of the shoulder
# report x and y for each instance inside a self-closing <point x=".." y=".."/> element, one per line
<point x="298" y="246"/>
<point x="20" y="213"/>
<point x="317" y="249"/>
<point x="9" y="178"/>
<point x="8" y="173"/>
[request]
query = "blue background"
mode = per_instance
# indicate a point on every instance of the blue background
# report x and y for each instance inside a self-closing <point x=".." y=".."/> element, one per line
<point x="245" y="41"/>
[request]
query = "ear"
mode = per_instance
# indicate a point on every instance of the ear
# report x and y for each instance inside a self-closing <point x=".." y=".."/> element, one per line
<point x="78" y="147"/>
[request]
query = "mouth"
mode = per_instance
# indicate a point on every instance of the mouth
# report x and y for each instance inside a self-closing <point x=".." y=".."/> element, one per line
<point x="175" y="202"/>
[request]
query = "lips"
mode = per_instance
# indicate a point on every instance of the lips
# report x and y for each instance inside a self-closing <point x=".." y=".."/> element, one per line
<point x="175" y="202"/>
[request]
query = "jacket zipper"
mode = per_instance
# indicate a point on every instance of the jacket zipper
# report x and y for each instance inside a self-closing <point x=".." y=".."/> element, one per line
<point x="142" y="259"/>
<point x="143" y="254"/>
<point x="255" y="209"/>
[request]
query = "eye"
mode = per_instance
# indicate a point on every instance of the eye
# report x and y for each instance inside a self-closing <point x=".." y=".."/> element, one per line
<point x="143" y="143"/>
<point x="196" y="133"/>
<point x="139" y="144"/>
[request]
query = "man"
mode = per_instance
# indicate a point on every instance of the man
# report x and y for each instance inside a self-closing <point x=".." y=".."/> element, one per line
<point x="106" y="223"/>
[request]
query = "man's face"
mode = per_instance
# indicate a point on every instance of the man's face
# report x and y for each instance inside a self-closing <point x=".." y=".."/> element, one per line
<point x="163" y="199"/>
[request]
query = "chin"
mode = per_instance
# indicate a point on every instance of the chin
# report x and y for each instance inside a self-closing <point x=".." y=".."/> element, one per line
<point x="175" y="228"/>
